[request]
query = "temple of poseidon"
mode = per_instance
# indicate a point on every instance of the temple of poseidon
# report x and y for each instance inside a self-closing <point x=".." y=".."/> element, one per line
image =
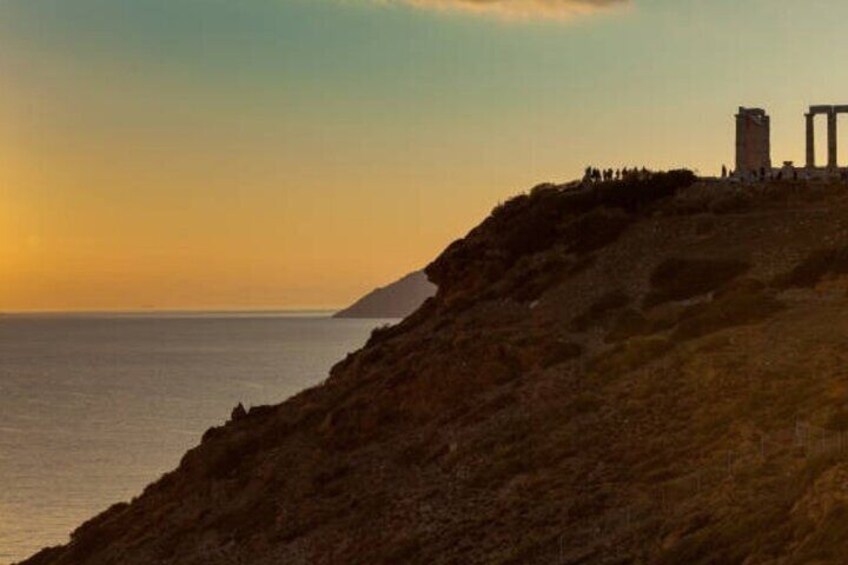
<point x="753" y="147"/>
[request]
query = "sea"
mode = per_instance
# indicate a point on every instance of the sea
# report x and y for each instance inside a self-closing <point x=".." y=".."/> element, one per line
<point x="94" y="407"/>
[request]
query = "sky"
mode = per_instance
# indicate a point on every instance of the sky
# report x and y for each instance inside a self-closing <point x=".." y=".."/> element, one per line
<point x="241" y="154"/>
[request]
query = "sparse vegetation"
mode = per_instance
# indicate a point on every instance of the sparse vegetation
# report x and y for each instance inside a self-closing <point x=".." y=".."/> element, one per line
<point x="735" y="307"/>
<point x="815" y="267"/>
<point x="530" y="224"/>
<point x="683" y="278"/>
<point x="594" y="230"/>
<point x="631" y="355"/>
<point x="557" y="352"/>
<point x="381" y="334"/>
<point x="607" y="303"/>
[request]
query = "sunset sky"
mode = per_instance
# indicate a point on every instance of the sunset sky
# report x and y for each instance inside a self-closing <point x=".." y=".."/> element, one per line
<point x="296" y="153"/>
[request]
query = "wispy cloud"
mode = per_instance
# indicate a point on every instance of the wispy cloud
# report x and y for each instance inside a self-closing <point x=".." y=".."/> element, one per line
<point x="519" y="9"/>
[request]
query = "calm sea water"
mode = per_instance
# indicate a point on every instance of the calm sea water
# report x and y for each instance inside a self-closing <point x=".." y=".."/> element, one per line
<point x="93" y="408"/>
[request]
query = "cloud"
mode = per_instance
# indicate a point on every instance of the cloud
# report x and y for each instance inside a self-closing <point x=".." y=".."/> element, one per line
<point x="520" y="9"/>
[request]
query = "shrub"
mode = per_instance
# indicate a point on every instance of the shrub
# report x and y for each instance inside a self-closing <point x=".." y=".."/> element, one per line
<point x="638" y="193"/>
<point x="632" y="323"/>
<point x="595" y="230"/>
<point x="746" y="304"/>
<point x="729" y="203"/>
<point x="632" y="355"/>
<point x="534" y="277"/>
<point x="815" y="267"/>
<point x="381" y="334"/>
<point x="605" y="304"/>
<point x="629" y="323"/>
<point x="680" y="279"/>
<point x="557" y="352"/>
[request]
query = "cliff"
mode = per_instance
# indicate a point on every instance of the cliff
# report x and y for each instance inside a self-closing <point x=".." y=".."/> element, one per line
<point x="640" y="371"/>
<point x="397" y="300"/>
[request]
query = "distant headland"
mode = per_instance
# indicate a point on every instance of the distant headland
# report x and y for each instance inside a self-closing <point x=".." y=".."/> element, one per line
<point x="397" y="300"/>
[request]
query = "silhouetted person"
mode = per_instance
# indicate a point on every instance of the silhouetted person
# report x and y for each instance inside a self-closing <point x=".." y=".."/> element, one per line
<point x="724" y="171"/>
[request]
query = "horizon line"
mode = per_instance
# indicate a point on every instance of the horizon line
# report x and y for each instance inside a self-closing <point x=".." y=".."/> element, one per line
<point x="157" y="311"/>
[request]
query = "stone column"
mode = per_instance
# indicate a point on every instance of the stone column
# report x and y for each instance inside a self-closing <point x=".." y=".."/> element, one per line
<point x="811" y="140"/>
<point x="740" y="141"/>
<point x="831" y="140"/>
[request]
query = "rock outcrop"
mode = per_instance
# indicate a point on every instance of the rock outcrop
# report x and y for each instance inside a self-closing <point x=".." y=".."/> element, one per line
<point x="639" y="371"/>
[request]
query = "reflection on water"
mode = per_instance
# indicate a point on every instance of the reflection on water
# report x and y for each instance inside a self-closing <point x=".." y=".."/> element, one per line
<point x="93" y="408"/>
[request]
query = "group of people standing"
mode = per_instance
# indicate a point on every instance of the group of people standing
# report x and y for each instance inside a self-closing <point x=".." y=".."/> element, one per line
<point x="593" y="174"/>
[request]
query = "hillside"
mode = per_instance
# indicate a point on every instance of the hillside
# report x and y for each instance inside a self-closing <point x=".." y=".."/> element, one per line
<point x="650" y="370"/>
<point x="397" y="300"/>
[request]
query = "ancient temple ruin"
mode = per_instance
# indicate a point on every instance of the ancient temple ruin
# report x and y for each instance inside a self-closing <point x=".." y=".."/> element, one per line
<point x="753" y="146"/>
<point x="832" y="112"/>
<point x="753" y="142"/>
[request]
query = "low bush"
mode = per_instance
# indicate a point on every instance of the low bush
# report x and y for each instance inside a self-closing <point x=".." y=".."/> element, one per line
<point x="730" y="203"/>
<point x="681" y="279"/>
<point x="594" y="230"/>
<point x="557" y="352"/>
<point x="631" y="355"/>
<point x="381" y="334"/>
<point x="532" y="280"/>
<point x="814" y="268"/>
<point x="744" y="305"/>
<point x="632" y="323"/>
<point x="607" y="303"/>
<point x="629" y="323"/>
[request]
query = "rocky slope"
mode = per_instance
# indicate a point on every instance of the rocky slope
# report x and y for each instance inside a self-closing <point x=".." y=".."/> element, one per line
<point x="648" y="371"/>
<point x="396" y="300"/>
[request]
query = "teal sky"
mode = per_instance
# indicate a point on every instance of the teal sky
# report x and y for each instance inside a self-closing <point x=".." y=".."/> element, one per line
<point x="299" y="152"/>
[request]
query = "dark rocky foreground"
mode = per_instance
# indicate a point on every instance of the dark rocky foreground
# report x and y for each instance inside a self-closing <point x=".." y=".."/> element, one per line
<point x="651" y="370"/>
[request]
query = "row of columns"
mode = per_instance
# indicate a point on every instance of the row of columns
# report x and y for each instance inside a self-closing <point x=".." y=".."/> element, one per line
<point x="832" y="112"/>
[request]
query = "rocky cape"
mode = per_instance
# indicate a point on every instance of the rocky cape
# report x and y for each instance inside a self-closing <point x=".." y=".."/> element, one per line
<point x="397" y="300"/>
<point x="640" y="371"/>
